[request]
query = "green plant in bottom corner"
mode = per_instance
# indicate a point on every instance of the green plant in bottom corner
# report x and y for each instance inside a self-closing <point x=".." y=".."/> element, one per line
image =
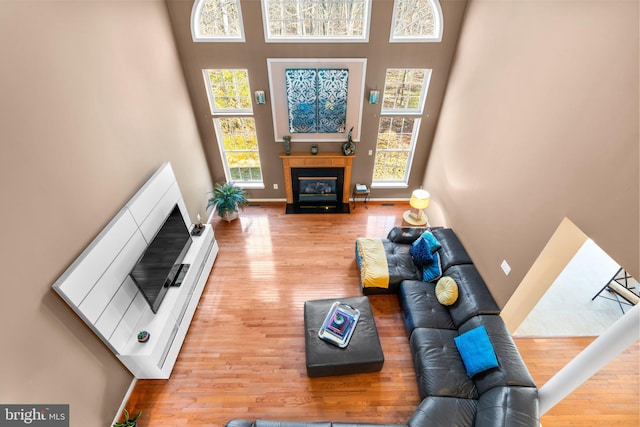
<point x="226" y="199"/>
<point x="128" y="422"/>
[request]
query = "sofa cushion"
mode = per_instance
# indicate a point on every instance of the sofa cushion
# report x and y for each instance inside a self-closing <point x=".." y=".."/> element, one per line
<point x="439" y="369"/>
<point x="511" y="370"/>
<point x="451" y="252"/>
<point x="444" y="411"/>
<point x="508" y="406"/>
<point x="406" y="235"/>
<point x="401" y="266"/>
<point x="473" y="295"/>
<point x="420" y="307"/>
<point x="476" y="351"/>
<point x="446" y="290"/>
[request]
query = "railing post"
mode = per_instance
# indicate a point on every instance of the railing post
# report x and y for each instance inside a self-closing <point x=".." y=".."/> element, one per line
<point x="624" y="332"/>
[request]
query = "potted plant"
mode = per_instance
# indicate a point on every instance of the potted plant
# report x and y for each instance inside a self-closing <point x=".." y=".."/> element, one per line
<point x="128" y="422"/>
<point x="226" y="199"/>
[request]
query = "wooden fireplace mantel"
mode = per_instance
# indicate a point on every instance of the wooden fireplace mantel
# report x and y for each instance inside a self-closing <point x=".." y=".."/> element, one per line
<point x="320" y="160"/>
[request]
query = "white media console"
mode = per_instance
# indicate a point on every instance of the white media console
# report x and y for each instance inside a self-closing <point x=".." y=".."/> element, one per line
<point x="98" y="288"/>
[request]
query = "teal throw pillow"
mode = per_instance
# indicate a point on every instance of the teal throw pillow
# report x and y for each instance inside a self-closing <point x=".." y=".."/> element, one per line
<point x="434" y="245"/>
<point x="432" y="271"/>
<point x="476" y="351"/>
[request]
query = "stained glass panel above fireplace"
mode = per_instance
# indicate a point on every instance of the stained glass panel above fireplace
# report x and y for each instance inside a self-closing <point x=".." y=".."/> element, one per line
<point x="316" y="100"/>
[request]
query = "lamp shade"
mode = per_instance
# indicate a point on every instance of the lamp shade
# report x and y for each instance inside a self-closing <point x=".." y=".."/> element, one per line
<point x="419" y="199"/>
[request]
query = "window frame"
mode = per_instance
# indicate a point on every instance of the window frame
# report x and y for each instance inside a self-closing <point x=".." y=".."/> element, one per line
<point x="438" y="25"/>
<point x="423" y="95"/>
<point x="414" y="114"/>
<point x="404" y="183"/>
<point x="223" y="152"/>
<point x="243" y="113"/>
<point x="211" y="96"/>
<point x="197" y="36"/>
<point x="364" y="38"/>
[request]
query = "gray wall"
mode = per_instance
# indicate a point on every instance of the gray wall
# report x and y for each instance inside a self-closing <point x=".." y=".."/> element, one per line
<point x="540" y="122"/>
<point x="93" y="102"/>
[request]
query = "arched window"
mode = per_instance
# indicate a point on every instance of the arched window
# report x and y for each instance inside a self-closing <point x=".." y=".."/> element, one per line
<point x="217" y="21"/>
<point x="416" y="21"/>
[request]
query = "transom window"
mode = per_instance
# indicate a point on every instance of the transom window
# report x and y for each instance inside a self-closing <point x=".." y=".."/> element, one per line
<point x="217" y="21"/>
<point x="416" y="21"/>
<point x="235" y="128"/>
<point x="316" y="20"/>
<point x="404" y="96"/>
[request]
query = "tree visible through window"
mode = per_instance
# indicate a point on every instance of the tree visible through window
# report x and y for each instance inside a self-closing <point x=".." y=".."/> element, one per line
<point x="230" y="101"/>
<point x="217" y="20"/>
<point x="309" y="20"/>
<point x="237" y="137"/>
<point x="403" y="101"/>
<point x="416" y="21"/>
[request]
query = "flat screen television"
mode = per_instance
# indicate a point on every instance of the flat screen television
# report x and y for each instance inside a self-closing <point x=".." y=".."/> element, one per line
<point x="156" y="269"/>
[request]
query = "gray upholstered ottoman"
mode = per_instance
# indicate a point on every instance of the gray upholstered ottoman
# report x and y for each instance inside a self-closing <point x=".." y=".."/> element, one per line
<point x="363" y="354"/>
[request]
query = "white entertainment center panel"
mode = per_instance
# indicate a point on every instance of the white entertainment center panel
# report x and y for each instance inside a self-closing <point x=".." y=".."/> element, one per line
<point x="98" y="288"/>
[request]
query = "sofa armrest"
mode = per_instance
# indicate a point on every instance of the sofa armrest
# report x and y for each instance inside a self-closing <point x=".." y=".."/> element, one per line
<point x="405" y="235"/>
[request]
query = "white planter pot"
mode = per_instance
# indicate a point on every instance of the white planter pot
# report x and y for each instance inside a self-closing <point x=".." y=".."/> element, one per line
<point x="230" y="216"/>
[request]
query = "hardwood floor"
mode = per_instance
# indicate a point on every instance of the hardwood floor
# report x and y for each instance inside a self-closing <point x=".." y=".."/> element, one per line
<point x="244" y="354"/>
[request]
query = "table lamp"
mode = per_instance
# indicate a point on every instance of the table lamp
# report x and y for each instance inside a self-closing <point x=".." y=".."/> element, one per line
<point x="419" y="202"/>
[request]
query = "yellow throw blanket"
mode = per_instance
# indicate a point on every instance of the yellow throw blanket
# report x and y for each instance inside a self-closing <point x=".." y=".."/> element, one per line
<point x="374" y="270"/>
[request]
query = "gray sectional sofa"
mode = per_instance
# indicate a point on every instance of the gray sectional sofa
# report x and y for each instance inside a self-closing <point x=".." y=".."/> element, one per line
<point x="504" y="396"/>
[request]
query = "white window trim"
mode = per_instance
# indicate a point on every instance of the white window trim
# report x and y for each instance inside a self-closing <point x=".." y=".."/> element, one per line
<point x="355" y="98"/>
<point x="412" y="151"/>
<point x="423" y="97"/>
<point x="438" y="27"/>
<point x="364" y="38"/>
<point x="224" y="112"/>
<point x="197" y="36"/>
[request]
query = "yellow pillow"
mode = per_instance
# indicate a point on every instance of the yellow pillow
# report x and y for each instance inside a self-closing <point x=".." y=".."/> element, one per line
<point x="446" y="290"/>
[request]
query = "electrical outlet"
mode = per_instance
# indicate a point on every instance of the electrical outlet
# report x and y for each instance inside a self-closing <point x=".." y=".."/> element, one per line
<point x="505" y="267"/>
<point x="275" y="186"/>
<point x="371" y="152"/>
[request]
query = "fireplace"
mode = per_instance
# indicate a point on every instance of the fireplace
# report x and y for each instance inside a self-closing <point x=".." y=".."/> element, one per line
<point x="317" y="183"/>
<point x="317" y="189"/>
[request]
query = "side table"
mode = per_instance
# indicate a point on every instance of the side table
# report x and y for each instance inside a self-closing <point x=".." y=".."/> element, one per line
<point x="359" y="193"/>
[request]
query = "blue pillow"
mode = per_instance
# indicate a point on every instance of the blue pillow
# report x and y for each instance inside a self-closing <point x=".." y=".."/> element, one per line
<point x="431" y="240"/>
<point x="421" y="253"/>
<point x="432" y="271"/>
<point x="476" y="351"/>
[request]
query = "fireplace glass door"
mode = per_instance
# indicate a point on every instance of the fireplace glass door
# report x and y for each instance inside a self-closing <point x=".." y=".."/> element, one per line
<point x="320" y="189"/>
